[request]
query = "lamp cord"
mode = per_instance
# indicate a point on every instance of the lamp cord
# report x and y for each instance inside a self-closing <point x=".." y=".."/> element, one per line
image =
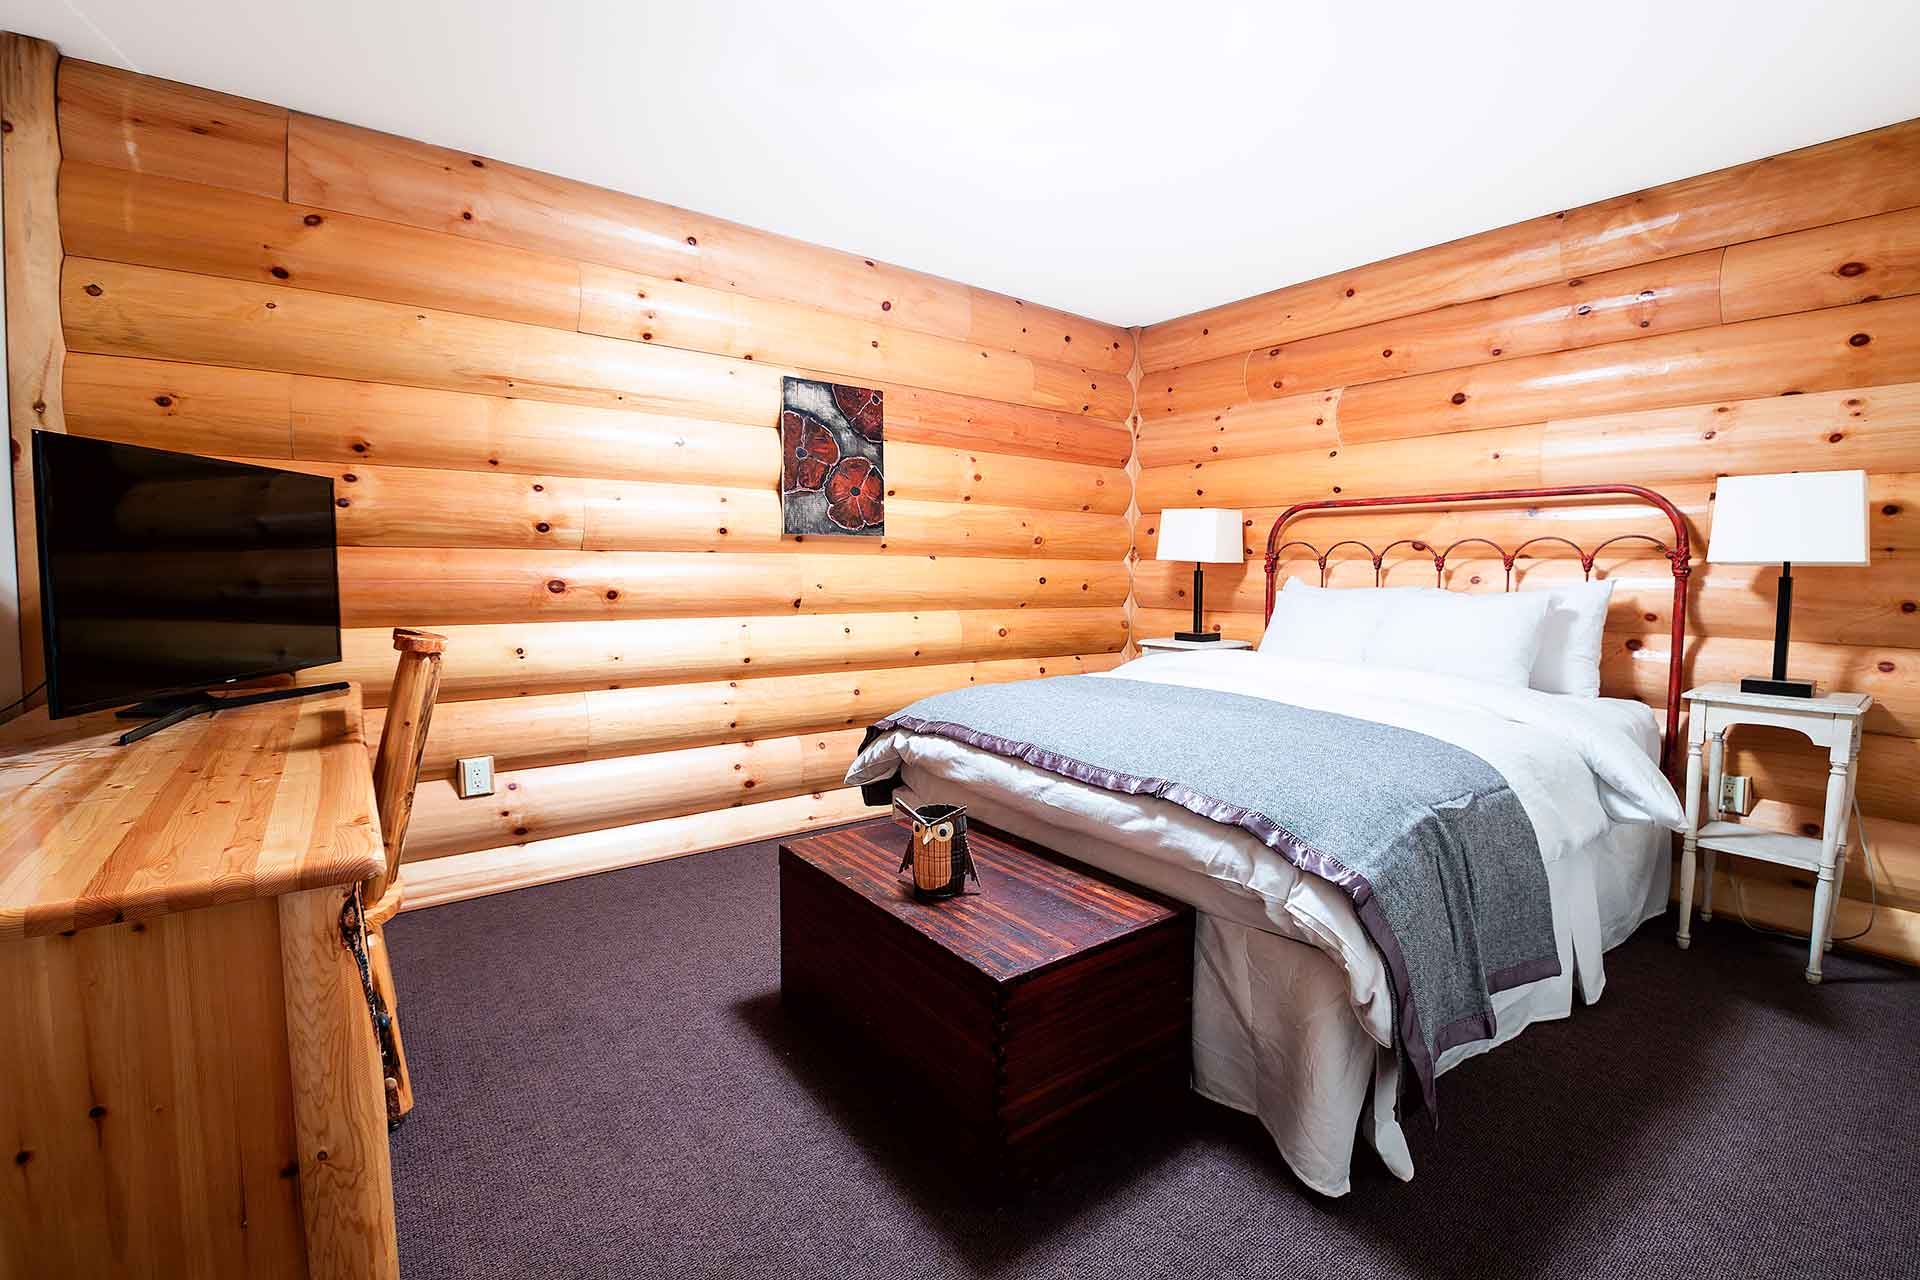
<point x="1873" y="889"/>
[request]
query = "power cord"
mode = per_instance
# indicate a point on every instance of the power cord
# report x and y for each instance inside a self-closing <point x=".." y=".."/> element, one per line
<point x="1873" y="889"/>
<point x="21" y="701"/>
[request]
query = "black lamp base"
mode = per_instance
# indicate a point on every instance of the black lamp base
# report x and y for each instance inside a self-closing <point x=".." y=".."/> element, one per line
<point x="1778" y="688"/>
<point x="1197" y="636"/>
<point x="1778" y="685"/>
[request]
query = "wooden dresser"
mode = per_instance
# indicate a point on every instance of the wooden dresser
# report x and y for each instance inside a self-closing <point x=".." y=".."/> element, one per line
<point x="192" y="1085"/>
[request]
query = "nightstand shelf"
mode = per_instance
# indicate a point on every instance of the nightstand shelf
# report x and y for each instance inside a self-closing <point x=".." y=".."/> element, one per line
<point x="1782" y="847"/>
<point x="1831" y="720"/>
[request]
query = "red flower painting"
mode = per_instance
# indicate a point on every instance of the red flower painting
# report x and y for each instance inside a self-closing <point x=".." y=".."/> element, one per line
<point x="862" y="408"/>
<point x="855" y="495"/>
<point x="810" y="452"/>
<point x="832" y="460"/>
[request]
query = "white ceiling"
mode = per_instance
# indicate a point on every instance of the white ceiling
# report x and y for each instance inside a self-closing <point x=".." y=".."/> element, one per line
<point x="1130" y="160"/>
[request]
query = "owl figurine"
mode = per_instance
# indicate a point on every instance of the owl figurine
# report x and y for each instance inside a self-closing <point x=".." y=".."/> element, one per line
<point x="937" y="850"/>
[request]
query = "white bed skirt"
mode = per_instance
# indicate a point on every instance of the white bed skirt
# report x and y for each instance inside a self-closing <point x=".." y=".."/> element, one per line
<point x="1275" y="1033"/>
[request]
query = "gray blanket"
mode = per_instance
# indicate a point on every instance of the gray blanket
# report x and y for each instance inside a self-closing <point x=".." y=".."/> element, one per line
<point x="1429" y="842"/>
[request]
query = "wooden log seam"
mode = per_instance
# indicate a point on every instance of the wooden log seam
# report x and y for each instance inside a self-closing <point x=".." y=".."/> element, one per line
<point x="506" y="659"/>
<point x="1870" y="428"/>
<point x="236" y="412"/>
<point x="456" y="877"/>
<point x="1663" y="297"/>
<point x="111" y="308"/>
<point x="356" y="170"/>
<point x="113" y="215"/>
<point x="568" y="799"/>
<point x="569" y="728"/>
<point x="1867" y="173"/>
<point x="109" y="116"/>
<point x="1868" y="344"/>
<point x="441" y="586"/>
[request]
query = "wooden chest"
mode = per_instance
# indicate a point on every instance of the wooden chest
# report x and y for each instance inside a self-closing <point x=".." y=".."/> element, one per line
<point x="1021" y="1020"/>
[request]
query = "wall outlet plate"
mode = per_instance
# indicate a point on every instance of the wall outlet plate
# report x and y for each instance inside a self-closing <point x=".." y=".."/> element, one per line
<point x="1736" y="794"/>
<point x="473" y="776"/>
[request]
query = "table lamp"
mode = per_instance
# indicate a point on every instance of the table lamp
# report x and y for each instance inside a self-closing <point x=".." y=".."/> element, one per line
<point x="1807" y="517"/>
<point x="1204" y="535"/>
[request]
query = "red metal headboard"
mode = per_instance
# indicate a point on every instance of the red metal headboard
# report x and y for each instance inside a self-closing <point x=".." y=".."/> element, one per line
<point x="1677" y="555"/>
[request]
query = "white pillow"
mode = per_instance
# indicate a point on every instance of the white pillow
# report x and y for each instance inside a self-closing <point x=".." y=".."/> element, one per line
<point x="1569" y="657"/>
<point x="1494" y="638"/>
<point x="1327" y="623"/>
<point x="1488" y="637"/>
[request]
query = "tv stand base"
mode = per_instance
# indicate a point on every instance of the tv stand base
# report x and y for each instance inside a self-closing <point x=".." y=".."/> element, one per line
<point x="163" y="713"/>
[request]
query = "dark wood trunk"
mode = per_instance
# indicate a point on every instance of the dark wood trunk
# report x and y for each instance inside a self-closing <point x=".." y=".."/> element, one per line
<point x="1016" y="1023"/>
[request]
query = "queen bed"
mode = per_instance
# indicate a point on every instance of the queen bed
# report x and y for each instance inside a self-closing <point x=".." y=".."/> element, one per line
<point x="1402" y="848"/>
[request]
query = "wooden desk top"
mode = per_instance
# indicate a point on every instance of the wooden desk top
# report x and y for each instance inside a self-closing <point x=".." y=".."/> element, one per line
<point x="251" y="803"/>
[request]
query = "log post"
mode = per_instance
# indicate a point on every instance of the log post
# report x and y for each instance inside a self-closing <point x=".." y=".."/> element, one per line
<point x="36" y="349"/>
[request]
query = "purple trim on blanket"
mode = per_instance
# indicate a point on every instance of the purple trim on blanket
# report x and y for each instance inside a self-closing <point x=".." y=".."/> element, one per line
<point x="1482" y="1026"/>
<point x="1475" y="1026"/>
<point x="1519" y="975"/>
<point x="1359" y="890"/>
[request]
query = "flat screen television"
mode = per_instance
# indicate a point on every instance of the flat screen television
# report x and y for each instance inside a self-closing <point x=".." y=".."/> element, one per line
<point x="162" y="574"/>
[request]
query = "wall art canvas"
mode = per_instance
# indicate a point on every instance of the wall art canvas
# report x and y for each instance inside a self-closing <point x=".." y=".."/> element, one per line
<point x="831" y="479"/>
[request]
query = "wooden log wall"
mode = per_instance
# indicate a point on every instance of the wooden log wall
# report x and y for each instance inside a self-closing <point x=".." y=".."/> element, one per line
<point x="1762" y="318"/>
<point x="548" y="411"/>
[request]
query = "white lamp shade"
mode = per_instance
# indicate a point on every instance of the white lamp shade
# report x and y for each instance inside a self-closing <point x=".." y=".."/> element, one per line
<point x="1806" y="517"/>
<point x="1207" y="535"/>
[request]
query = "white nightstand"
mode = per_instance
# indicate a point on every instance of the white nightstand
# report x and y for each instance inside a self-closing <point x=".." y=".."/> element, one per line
<point x="1831" y="720"/>
<point x="1168" y="644"/>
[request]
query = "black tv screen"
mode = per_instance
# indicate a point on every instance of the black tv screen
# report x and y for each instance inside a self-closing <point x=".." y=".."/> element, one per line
<point x="165" y="573"/>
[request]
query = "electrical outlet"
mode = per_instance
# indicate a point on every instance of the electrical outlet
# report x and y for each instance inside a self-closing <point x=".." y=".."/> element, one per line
<point x="1736" y="794"/>
<point x="473" y="776"/>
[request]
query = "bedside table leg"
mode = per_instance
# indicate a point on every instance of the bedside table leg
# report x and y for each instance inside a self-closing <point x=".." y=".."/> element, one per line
<point x="1838" y="777"/>
<point x="1840" y="859"/>
<point x="1822" y="912"/>
<point x="1689" y="846"/>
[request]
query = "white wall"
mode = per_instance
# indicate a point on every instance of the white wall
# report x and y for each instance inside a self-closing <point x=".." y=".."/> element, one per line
<point x="1218" y="148"/>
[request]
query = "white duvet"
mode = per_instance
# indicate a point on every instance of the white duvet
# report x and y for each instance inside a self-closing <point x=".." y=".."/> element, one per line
<point x="1577" y="765"/>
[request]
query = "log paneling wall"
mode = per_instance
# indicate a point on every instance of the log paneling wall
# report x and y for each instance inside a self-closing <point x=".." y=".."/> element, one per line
<point x="1762" y="318"/>
<point x="548" y="411"/>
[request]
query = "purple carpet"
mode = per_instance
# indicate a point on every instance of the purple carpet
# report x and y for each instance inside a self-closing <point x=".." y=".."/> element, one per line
<point x="608" y="1087"/>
